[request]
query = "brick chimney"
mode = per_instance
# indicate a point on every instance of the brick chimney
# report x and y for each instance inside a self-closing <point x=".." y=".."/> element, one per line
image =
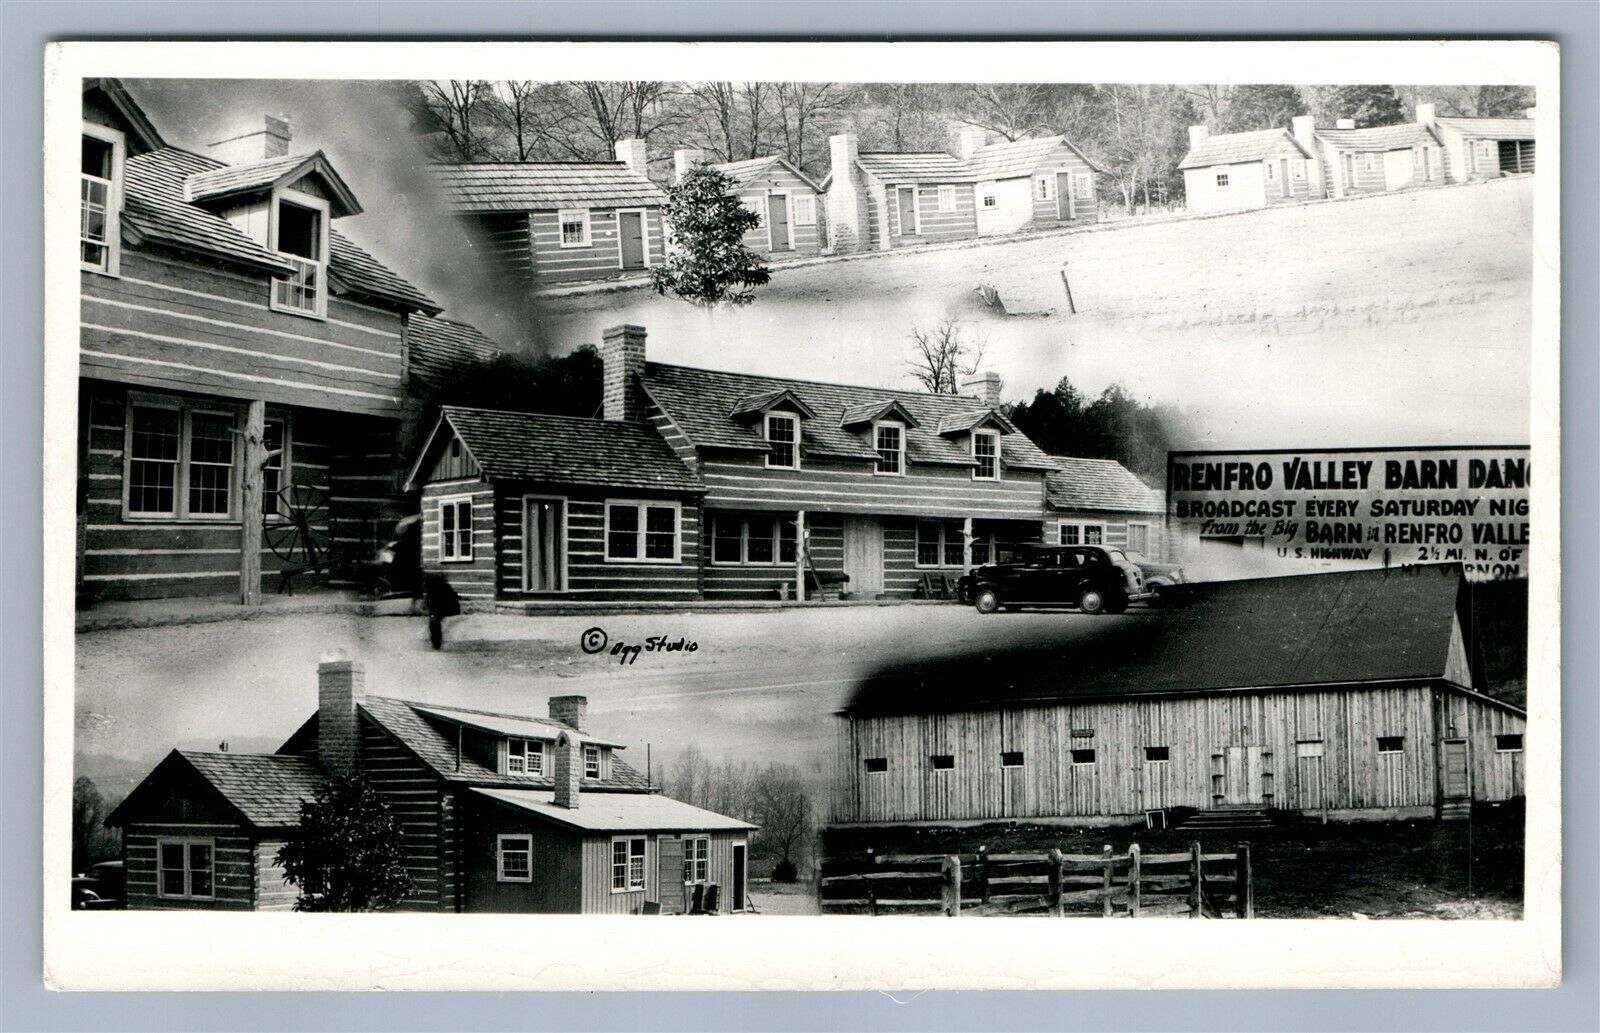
<point x="1198" y="135"/>
<point x="341" y="683"/>
<point x="971" y="140"/>
<point x="271" y="140"/>
<point x="684" y="159"/>
<point x="1345" y="123"/>
<point x="1427" y="115"/>
<point x="1305" y="132"/>
<point x="984" y="386"/>
<point x="622" y="361"/>
<point x="632" y="153"/>
<point x="569" y="770"/>
<point x="569" y="710"/>
<point x="846" y="222"/>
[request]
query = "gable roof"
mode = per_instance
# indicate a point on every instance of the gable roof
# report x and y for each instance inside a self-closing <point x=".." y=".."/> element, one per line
<point x="265" y="788"/>
<point x="1379" y="138"/>
<point x="877" y="409"/>
<point x="1497" y="128"/>
<point x="1004" y="160"/>
<point x="440" y="349"/>
<point x="759" y="404"/>
<point x="1103" y="484"/>
<point x="1235" y="148"/>
<point x="541" y="185"/>
<point x="145" y="136"/>
<point x="700" y="400"/>
<point x="514" y="726"/>
<point x="561" y="450"/>
<point x="273" y="172"/>
<point x="1009" y="159"/>
<point x="913" y="166"/>
<point x="618" y="812"/>
<point x="960" y="423"/>
<point x="741" y="172"/>
<point x="1308" y="630"/>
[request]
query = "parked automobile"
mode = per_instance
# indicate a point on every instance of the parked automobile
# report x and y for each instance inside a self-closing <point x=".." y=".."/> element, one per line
<point x="1093" y="578"/>
<point x="1164" y="581"/>
<point x="101" y="888"/>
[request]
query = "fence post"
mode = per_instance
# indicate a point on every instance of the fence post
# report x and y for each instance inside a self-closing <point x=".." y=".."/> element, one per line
<point x="1244" y="894"/>
<point x="1057" y="905"/>
<point x="1133" y="881"/>
<point x="983" y="874"/>
<point x="1196" y="901"/>
<point x="1070" y="305"/>
<point x="1105" y="881"/>
<point x="952" y="886"/>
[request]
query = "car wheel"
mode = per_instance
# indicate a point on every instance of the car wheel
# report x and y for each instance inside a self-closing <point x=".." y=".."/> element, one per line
<point x="1092" y="601"/>
<point x="987" y="601"/>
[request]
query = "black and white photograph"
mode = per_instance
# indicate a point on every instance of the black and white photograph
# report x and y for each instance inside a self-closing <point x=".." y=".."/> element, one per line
<point x="813" y="505"/>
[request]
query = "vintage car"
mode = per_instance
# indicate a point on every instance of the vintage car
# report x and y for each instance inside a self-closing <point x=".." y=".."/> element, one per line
<point x="1093" y="578"/>
<point x="1164" y="581"/>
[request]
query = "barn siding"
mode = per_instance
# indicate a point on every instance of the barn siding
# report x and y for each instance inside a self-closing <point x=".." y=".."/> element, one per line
<point x="602" y="258"/>
<point x="234" y="873"/>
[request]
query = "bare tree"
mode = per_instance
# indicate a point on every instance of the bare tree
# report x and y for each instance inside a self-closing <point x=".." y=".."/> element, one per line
<point x="942" y="356"/>
<point x="782" y="808"/>
<point x="1013" y="110"/>
<point x="453" y="108"/>
<point x="612" y="111"/>
<point x="800" y="108"/>
<point x="689" y="778"/>
<point x="1212" y="100"/>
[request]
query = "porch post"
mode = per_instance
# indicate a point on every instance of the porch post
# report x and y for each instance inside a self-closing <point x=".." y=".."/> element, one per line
<point x="966" y="545"/>
<point x="800" y="556"/>
<point x="255" y="433"/>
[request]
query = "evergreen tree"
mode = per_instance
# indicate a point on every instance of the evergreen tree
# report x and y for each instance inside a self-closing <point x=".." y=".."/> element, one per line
<point x="346" y="854"/>
<point x="707" y="262"/>
<point x="1261" y="106"/>
<point x="1369" y="105"/>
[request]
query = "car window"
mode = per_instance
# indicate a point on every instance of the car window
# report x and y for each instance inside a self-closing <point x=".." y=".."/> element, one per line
<point x="1117" y="556"/>
<point x="1091" y="559"/>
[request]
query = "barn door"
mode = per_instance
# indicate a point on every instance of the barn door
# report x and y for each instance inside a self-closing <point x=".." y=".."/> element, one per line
<point x="1242" y="775"/>
<point x="669" y="875"/>
<point x="1457" y="778"/>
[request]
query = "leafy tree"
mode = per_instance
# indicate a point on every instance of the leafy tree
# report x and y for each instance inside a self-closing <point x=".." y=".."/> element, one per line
<point x="1502" y="101"/>
<point x="346" y="854"/>
<point x="707" y="262"/>
<point x="1369" y="105"/>
<point x="1113" y="426"/>
<point x="1262" y="106"/>
<point x="941" y="355"/>
<point x="91" y="840"/>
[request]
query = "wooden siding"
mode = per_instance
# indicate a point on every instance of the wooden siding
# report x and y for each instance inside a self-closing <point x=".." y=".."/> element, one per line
<point x="1046" y="212"/>
<point x="474" y="579"/>
<point x="184" y="326"/>
<point x="1116" y="525"/>
<point x="418" y="801"/>
<point x="1494" y="774"/>
<point x="825" y="532"/>
<point x="1372" y="181"/>
<point x="1350" y="776"/>
<point x="601" y="258"/>
<point x="804" y="240"/>
<point x="673" y="435"/>
<point x="556" y="864"/>
<point x="272" y="893"/>
<point x="234" y="872"/>
<point x="597" y="896"/>
<point x="932" y="224"/>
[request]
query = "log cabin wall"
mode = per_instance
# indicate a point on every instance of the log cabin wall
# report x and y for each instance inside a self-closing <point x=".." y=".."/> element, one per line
<point x="779" y="182"/>
<point x="601" y="257"/>
<point x="233" y="870"/>
<point x="418" y="801"/>
<point x="1114" y="526"/>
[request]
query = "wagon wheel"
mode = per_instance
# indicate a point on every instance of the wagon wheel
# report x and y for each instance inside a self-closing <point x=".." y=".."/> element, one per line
<point x="296" y="522"/>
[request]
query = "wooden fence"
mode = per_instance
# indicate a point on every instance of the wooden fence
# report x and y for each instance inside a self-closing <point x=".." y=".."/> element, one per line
<point x="1107" y="884"/>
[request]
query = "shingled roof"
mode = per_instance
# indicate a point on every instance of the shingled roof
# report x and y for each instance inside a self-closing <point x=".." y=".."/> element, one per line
<point x="263" y="175"/>
<point x="1311" y="630"/>
<point x="441" y="348"/>
<point x="265" y="788"/>
<point x="1100" y="484"/>
<point x="1236" y="148"/>
<point x="1379" y="138"/>
<point x="700" y="402"/>
<point x="1011" y="158"/>
<point x="741" y="172"/>
<point x="543" y="185"/>
<point x="1004" y="160"/>
<point x="914" y="166"/>
<point x="1491" y="128"/>
<point x="562" y="450"/>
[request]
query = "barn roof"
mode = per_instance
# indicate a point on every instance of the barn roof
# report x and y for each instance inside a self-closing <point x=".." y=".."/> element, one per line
<point x="741" y="172"/>
<point x="1311" y="631"/>
<point x="1379" y="138"/>
<point x="618" y="812"/>
<point x="265" y="788"/>
<point x="441" y="348"/>
<point x="1492" y="128"/>
<point x="701" y="402"/>
<point x="1100" y="484"/>
<point x="543" y="185"/>
<point x="1235" y="148"/>
<point x="524" y="446"/>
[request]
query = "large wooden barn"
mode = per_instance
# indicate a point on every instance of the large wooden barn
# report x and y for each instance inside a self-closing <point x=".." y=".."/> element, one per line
<point x="1347" y="695"/>
<point x="242" y="364"/>
<point x="501" y="812"/>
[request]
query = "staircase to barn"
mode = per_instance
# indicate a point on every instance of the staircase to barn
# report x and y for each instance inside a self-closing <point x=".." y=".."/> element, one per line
<point x="1228" y="819"/>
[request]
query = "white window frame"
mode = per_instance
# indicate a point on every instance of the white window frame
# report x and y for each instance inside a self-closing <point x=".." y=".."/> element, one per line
<point x="807" y="217"/>
<point x="946" y="527"/>
<point x="446" y="555"/>
<point x="500" y="843"/>
<point x="947" y="197"/>
<point x="324" y="233"/>
<point x="995" y="437"/>
<point x="285" y="467"/>
<point x="186" y="409"/>
<point x="794" y="422"/>
<point x="643" y="506"/>
<point x="188" y="871"/>
<point x="778" y="523"/>
<point x="586" y="217"/>
<point x="1272" y="172"/>
<point x="644" y="233"/>
<point x="1521" y="742"/>
<point x="627" y="864"/>
<point x="696" y="860"/>
<point x="113" y="241"/>
<point x="1083" y="186"/>
<point x="1044" y="187"/>
<point x="756" y="204"/>
<point x="877" y="466"/>
<point x="916" y="210"/>
<point x="1369" y="161"/>
<point x="1082" y="526"/>
<point x="598" y="767"/>
<point x="530" y="748"/>
<point x="1128" y="540"/>
<point x="988" y="196"/>
<point x="566" y="542"/>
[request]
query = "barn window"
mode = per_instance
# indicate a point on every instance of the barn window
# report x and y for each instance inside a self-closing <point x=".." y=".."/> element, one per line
<point x="642" y="532"/>
<point x="783" y="440"/>
<point x="300" y="237"/>
<point x="627" y="864"/>
<point x="805" y="209"/>
<point x="1308" y="748"/>
<point x="455" y="530"/>
<point x="986" y="455"/>
<point x="99" y="199"/>
<point x="515" y="859"/>
<point x="1222" y="179"/>
<point x="752" y="540"/>
<point x="185" y="868"/>
<point x="1083" y="756"/>
<point x="525" y="757"/>
<point x="591" y="762"/>
<point x="1391" y="744"/>
<point x="1156" y="754"/>
<point x="179" y="460"/>
<point x="574" y="227"/>
<point x="696" y="859"/>
<point x="942" y="761"/>
<point x="1509" y="743"/>
<point x="947" y="198"/>
<point x="890" y="441"/>
<point x="1011" y="759"/>
<point x="876" y="765"/>
<point x="1078" y="533"/>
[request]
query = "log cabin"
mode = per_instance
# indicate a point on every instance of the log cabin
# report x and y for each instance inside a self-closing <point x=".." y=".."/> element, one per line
<point x="1102" y="502"/>
<point x="1482" y="148"/>
<point x="1351" y="695"/>
<point x="878" y="201"/>
<point x="1379" y="158"/>
<point x="783" y="197"/>
<point x="499" y="812"/>
<point x="1230" y="171"/>
<point x="242" y="363"/>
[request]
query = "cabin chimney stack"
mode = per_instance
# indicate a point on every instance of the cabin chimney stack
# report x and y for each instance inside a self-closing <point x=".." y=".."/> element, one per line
<point x="1427" y="115"/>
<point x="1305" y="132"/>
<point x="984" y="386"/>
<point x="622" y="363"/>
<point x="569" y="770"/>
<point x="684" y="159"/>
<point x="632" y="153"/>
<point x="972" y="140"/>
<point x="341" y="682"/>
<point x="846" y="227"/>
<point x="1198" y="135"/>
<point x="1530" y="112"/>
<point x="1345" y="123"/>
<point x="569" y="710"/>
<point x="271" y="140"/>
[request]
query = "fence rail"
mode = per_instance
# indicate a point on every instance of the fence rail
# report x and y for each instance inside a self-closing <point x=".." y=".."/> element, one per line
<point x="1201" y="885"/>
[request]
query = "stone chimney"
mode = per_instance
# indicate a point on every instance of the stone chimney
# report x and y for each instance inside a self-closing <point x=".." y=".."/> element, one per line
<point x="569" y="770"/>
<point x="1427" y="114"/>
<point x="252" y="145"/>
<point x="632" y="153"/>
<point x="341" y="683"/>
<point x="1305" y="132"/>
<point x="1345" y="123"/>
<point x="569" y="710"/>
<point x="1198" y="135"/>
<point x="971" y="140"/>
<point x="622" y="361"/>
<point x="684" y="159"/>
<point x="984" y="386"/>
<point x="846" y="217"/>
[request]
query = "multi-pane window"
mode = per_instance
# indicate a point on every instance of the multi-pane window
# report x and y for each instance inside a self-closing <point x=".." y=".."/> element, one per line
<point x="642" y="531"/>
<point x="986" y="455"/>
<point x="752" y="540"/>
<point x="153" y="444"/>
<point x="210" y="464"/>
<point x="696" y="859"/>
<point x="1044" y="188"/>
<point x="1272" y="172"/>
<point x="805" y="209"/>
<point x="985" y="549"/>
<point x="97" y="197"/>
<point x="1369" y="162"/>
<point x="947" y="198"/>
<point x="300" y="231"/>
<point x="591" y="762"/>
<point x="1082" y="534"/>
<point x="755" y="205"/>
<point x="1139" y="539"/>
<point x="455" y="529"/>
<point x="516" y="859"/>
<point x="627" y="865"/>
<point x="275" y="442"/>
<point x="186" y="868"/>
<point x="180" y="461"/>
<point x="890" y="440"/>
<point x="1085" y="185"/>
<point x="524" y="757"/>
<point x="939" y="544"/>
<point x="1222" y="179"/>
<point x="988" y="195"/>
<point x="783" y="440"/>
<point x="574" y="227"/>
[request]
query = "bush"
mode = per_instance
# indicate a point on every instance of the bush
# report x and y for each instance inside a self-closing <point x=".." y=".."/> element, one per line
<point x="784" y="871"/>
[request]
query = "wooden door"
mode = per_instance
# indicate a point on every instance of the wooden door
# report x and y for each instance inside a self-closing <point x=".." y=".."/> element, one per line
<point x="736" y="898"/>
<point x="906" y="198"/>
<point x="1457" y="776"/>
<point x="630" y="231"/>
<point x="1348" y="163"/>
<point x="543" y="545"/>
<point x="778" y="220"/>
<point x="1242" y="781"/>
<point x="669" y="875"/>
<point x="1284" y="189"/>
<point x="1064" y="195"/>
<point x="863" y="554"/>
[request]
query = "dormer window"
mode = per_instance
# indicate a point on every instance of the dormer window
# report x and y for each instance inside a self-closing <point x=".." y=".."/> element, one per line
<point x="99" y="194"/>
<point x="300" y="234"/>
<point x="985" y="455"/>
<point x="890" y="441"/>
<point x="783" y="441"/>
<point x="525" y="757"/>
<point x="591" y="762"/>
